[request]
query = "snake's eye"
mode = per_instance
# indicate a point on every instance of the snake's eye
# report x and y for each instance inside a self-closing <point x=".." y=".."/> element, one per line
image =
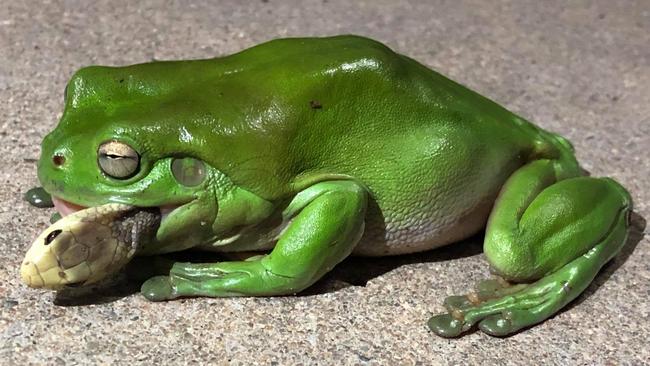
<point x="51" y="236"/>
<point x="189" y="172"/>
<point x="118" y="160"/>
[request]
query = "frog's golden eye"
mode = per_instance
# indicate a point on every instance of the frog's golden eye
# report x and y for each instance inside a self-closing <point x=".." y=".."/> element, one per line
<point x="188" y="171"/>
<point x="118" y="160"/>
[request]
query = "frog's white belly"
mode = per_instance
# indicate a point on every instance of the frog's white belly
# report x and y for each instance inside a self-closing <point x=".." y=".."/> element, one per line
<point x="422" y="230"/>
<point x="432" y="223"/>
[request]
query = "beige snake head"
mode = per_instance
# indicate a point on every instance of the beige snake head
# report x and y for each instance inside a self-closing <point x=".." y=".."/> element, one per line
<point x="87" y="246"/>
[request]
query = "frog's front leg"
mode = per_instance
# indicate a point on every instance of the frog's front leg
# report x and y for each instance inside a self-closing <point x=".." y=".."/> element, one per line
<point x="38" y="197"/>
<point x="327" y="221"/>
<point x="550" y="233"/>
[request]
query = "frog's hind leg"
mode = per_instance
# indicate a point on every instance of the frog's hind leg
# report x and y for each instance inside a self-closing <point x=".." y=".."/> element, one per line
<point x="549" y="237"/>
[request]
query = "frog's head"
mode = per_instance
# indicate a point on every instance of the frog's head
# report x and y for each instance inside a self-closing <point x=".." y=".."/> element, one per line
<point x="132" y="135"/>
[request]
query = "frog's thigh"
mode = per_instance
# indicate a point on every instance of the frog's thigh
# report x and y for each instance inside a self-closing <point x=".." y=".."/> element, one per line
<point x="558" y="234"/>
<point x="328" y="221"/>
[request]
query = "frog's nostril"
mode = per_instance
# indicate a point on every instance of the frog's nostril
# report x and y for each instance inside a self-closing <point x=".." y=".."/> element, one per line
<point x="58" y="159"/>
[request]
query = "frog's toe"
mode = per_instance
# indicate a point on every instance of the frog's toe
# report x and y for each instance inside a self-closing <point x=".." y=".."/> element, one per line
<point x="514" y="319"/>
<point x="521" y="311"/>
<point x="491" y="288"/>
<point x="485" y="290"/>
<point x="158" y="288"/>
<point x="491" y="285"/>
<point x="452" y="303"/>
<point x="497" y="325"/>
<point x="445" y="325"/>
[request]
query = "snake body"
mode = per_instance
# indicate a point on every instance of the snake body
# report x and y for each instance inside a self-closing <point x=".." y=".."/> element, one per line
<point x="88" y="245"/>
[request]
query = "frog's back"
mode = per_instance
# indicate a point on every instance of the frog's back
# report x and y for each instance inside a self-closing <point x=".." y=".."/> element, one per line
<point x="432" y="153"/>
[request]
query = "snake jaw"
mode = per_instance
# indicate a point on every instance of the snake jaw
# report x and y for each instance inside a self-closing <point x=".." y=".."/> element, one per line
<point x="88" y="245"/>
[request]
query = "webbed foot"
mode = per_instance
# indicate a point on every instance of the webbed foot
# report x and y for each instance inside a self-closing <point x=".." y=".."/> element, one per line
<point x="503" y="309"/>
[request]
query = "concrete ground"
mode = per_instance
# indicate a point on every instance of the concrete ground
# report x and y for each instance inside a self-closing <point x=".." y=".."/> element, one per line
<point x="580" y="68"/>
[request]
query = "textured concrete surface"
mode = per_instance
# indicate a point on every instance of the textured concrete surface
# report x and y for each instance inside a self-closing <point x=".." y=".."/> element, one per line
<point x="581" y="68"/>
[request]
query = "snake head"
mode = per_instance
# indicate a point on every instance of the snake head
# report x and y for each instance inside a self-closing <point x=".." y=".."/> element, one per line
<point x="88" y="246"/>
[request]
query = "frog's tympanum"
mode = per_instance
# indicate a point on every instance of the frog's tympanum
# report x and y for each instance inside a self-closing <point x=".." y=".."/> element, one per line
<point x="309" y="150"/>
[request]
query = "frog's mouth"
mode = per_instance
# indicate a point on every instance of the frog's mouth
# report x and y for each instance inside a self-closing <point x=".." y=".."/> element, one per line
<point x="66" y="208"/>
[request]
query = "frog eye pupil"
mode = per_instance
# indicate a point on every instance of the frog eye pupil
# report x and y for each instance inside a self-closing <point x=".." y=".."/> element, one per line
<point x="118" y="160"/>
<point x="189" y="172"/>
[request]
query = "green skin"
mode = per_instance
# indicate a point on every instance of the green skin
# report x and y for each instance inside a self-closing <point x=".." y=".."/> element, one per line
<point x="324" y="147"/>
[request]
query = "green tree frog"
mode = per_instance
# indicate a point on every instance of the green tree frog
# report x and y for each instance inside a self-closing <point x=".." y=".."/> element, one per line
<point x="309" y="150"/>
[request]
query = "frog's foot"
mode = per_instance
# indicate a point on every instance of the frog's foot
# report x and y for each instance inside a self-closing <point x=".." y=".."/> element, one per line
<point x="500" y="311"/>
<point x="37" y="197"/>
<point x="551" y="238"/>
<point x="219" y="280"/>
<point x="327" y="222"/>
<point x="484" y="291"/>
